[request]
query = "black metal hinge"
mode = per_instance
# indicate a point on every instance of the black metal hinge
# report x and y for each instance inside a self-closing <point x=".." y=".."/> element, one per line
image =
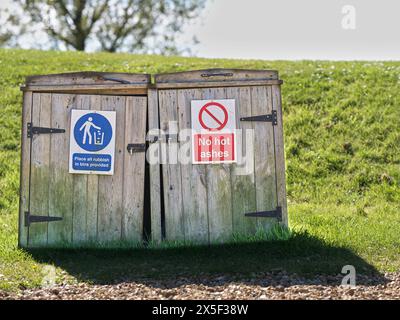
<point x="136" y="147"/>
<point x="273" y="117"/>
<point x="277" y="213"/>
<point x="33" y="219"/>
<point x="42" y="130"/>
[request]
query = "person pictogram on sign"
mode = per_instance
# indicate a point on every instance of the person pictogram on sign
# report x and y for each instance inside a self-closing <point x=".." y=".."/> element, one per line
<point x="87" y="134"/>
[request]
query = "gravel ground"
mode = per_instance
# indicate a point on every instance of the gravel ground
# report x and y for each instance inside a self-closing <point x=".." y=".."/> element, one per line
<point x="261" y="286"/>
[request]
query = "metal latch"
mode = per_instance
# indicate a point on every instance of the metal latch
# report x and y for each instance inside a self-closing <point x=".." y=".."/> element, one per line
<point x="116" y="80"/>
<point x="277" y="213"/>
<point x="217" y="74"/>
<point x="33" y="219"/>
<point x="162" y="137"/>
<point x="42" y="130"/>
<point x="136" y="147"/>
<point x="273" y="117"/>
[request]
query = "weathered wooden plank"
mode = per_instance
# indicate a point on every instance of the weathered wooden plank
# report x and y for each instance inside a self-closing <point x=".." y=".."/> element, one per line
<point x="264" y="157"/>
<point x="134" y="168"/>
<point x="110" y="187"/>
<point x="216" y="75"/>
<point x="194" y="190"/>
<point x="89" y="89"/>
<point x="242" y="173"/>
<point x="88" y="78"/>
<point x="217" y="84"/>
<point x="40" y="166"/>
<point x="79" y="234"/>
<point x="24" y="170"/>
<point x="155" y="172"/>
<point x="92" y="187"/>
<point x="280" y="153"/>
<point x="61" y="182"/>
<point x="218" y="189"/>
<point x="174" y="221"/>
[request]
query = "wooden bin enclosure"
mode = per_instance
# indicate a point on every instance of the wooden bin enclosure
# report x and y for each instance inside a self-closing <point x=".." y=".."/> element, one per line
<point x="212" y="202"/>
<point x="58" y="208"/>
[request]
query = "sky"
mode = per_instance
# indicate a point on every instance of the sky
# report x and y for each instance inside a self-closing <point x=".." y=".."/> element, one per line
<point x="299" y="29"/>
<point x="295" y="29"/>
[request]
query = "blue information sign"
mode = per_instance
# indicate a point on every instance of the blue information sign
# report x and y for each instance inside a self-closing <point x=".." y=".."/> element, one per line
<point x="93" y="132"/>
<point x="92" y="142"/>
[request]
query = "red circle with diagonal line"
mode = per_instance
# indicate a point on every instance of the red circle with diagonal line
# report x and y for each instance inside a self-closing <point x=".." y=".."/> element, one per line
<point x="219" y="123"/>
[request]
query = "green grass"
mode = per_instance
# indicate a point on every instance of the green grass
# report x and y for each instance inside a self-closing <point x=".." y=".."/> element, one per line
<point x="342" y="143"/>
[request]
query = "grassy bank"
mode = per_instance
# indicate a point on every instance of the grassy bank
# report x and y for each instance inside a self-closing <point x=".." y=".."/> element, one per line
<point x="342" y="136"/>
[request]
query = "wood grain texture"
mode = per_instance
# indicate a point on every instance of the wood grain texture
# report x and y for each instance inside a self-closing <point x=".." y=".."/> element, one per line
<point x="92" y="188"/>
<point x="80" y="194"/>
<point x="264" y="157"/>
<point x="61" y="182"/>
<point x="134" y="170"/>
<point x="194" y="190"/>
<point x="219" y="194"/>
<point x="93" y="208"/>
<point x="172" y="183"/>
<point x="87" y="78"/>
<point x="155" y="169"/>
<point x="215" y="75"/>
<point x="242" y="173"/>
<point x="40" y="166"/>
<point x="110" y="194"/>
<point x="216" y="84"/>
<point x="120" y="89"/>
<point x="280" y="154"/>
<point x="110" y="83"/>
<point x="24" y="170"/>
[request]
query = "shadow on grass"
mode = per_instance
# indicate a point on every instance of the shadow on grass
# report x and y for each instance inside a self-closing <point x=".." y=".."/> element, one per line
<point x="301" y="254"/>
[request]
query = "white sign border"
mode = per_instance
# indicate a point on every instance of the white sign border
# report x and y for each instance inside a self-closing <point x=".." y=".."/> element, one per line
<point x="223" y="131"/>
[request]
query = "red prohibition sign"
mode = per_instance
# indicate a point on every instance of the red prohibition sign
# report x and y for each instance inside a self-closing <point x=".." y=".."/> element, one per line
<point x="221" y="124"/>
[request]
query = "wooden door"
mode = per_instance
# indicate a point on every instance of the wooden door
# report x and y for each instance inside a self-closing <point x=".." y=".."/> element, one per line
<point x="83" y="209"/>
<point x="213" y="202"/>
